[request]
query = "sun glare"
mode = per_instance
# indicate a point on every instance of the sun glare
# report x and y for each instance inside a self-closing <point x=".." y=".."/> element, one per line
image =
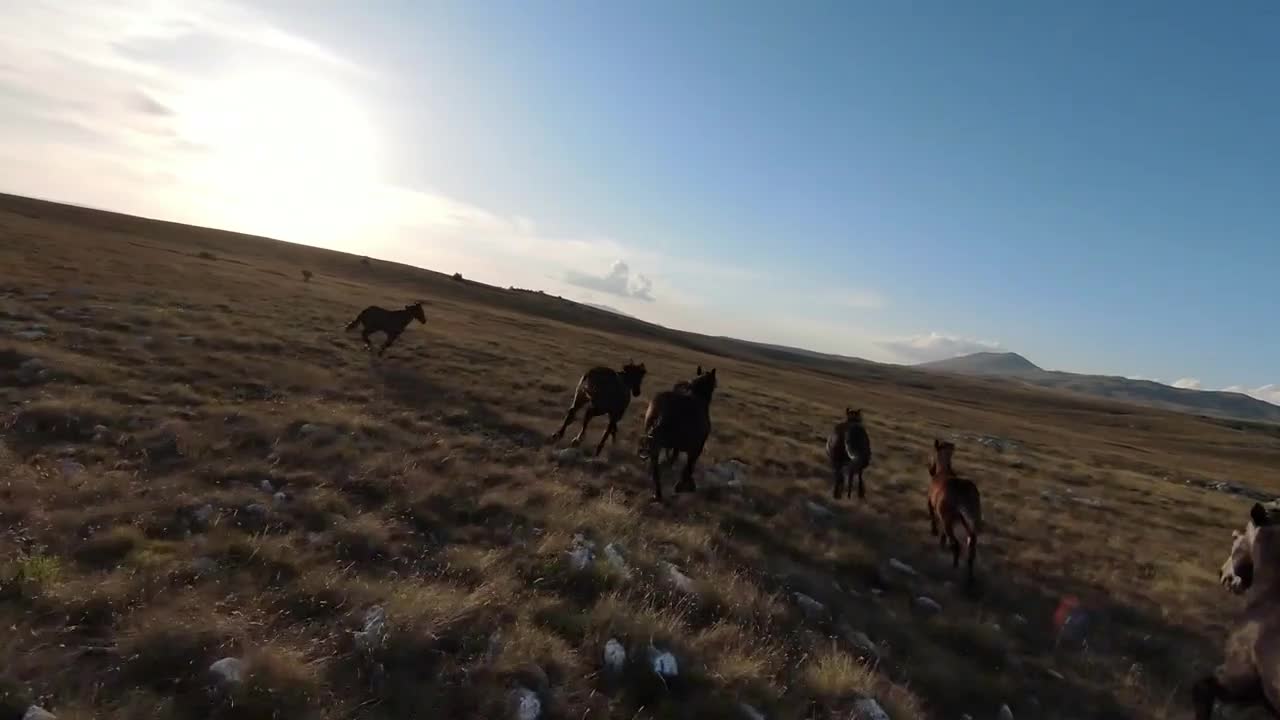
<point x="282" y="154"/>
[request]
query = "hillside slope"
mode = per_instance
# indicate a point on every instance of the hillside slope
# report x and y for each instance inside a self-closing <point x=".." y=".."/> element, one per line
<point x="197" y="465"/>
<point x="1142" y="392"/>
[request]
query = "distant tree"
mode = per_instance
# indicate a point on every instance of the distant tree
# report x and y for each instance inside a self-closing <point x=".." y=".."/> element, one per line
<point x="306" y="276"/>
<point x="457" y="276"/>
<point x="365" y="261"/>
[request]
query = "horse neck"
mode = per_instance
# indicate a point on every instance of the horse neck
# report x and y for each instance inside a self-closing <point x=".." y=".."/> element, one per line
<point x="942" y="470"/>
<point x="1266" y="579"/>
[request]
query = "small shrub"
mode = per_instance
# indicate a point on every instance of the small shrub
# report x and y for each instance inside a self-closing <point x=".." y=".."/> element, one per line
<point x="206" y="255"/>
<point x="307" y="275"/>
<point x="109" y="548"/>
<point x="457" y="276"/>
<point x="365" y="261"/>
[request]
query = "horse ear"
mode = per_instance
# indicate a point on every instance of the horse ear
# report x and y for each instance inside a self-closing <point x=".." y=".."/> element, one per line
<point x="1259" y="515"/>
<point x="699" y="370"/>
<point x="937" y="444"/>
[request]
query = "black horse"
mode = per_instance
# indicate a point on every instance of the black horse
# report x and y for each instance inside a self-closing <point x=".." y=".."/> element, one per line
<point x="603" y="391"/>
<point x="389" y="322"/>
<point x="678" y="421"/>
<point x="849" y="450"/>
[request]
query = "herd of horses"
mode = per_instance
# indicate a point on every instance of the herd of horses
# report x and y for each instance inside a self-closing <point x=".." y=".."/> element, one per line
<point x="679" y="421"/>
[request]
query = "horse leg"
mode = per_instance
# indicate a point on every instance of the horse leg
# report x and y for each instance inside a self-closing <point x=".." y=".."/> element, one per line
<point x="955" y="544"/>
<point x="672" y="456"/>
<point x="586" y="418"/>
<point x="971" y="538"/>
<point x="933" y="519"/>
<point x="578" y="402"/>
<point x="838" y="471"/>
<point x="1210" y="689"/>
<point x="391" y="337"/>
<point x="655" y="471"/>
<point x="862" y="493"/>
<point x="364" y="335"/>
<point x="686" y="483"/>
<point x="611" y="430"/>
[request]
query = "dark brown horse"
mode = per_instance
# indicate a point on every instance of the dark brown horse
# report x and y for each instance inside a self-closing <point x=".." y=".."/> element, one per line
<point x="953" y="499"/>
<point x="1250" y="671"/>
<point x="603" y="391"/>
<point x="679" y="421"/>
<point x="389" y="322"/>
<point x="849" y="451"/>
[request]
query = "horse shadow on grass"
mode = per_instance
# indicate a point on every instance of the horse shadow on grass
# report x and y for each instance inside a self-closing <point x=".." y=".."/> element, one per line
<point x="1001" y="630"/>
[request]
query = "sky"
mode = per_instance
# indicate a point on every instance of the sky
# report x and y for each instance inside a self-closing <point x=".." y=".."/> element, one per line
<point x="1093" y="185"/>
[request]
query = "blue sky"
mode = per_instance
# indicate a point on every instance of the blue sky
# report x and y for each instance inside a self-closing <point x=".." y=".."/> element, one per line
<point x="1093" y="185"/>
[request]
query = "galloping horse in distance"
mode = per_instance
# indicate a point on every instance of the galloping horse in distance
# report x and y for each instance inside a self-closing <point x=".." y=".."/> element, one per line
<point x="603" y="391"/>
<point x="953" y="499"/>
<point x="849" y="450"/>
<point x="679" y="421"/>
<point x="1248" y="674"/>
<point x="389" y="322"/>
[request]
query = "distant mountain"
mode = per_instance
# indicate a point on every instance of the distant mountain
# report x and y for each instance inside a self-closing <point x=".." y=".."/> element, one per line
<point x="987" y="363"/>
<point x="1143" y="392"/>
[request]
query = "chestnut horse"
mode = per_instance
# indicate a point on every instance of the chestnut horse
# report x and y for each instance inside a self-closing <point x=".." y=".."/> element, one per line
<point x="603" y="391"/>
<point x="1249" y="672"/>
<point x="678" y="420"/>
<point x="953" y="499"/>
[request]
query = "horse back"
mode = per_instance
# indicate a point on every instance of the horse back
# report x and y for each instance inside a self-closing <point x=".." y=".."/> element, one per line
<point x="603" y="387"/>
<point x="677" y="419"/>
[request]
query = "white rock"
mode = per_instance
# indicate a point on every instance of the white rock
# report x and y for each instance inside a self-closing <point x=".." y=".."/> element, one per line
<point x="868" y="709"/>
<point x="678" y="579"/>
<point x="812" y="608"/>
<point x="750" y="713"/>
<point x="582" y="552"/>
<point x="528" y="704"/>
<point x="70" y="468"/>
<point x="615" y="656"/>
<point x="613" y="554"/>
<point x="566" y="455"/>
<point x="308" y="429"/>
<point x="902" y="567"/>
<point x="204" y="514"/>
<point x="186" y="339"/>
<point x="928" y="605"/>
<point x="38" y="713"/>
<point x="204" y="566"/>
<point x="663" y="663"/>
<point x="279" y="498"/>
<point x="374" y="632"/>
<point x="818" y="511"/>
<point x="29" y="334"/>
<point x="228" y="670"/>
<point x="266" y="487"/>
<point x="1005" y="713"/>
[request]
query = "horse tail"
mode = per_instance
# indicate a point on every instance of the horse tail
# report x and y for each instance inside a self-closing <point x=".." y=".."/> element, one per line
<point x="359" y="319"/>
<point x="971" y="509"/>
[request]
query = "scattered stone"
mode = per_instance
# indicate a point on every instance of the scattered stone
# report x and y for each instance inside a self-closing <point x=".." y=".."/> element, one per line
<point x="566" y="456"/>
<point x="663" y="663"/>
<point x="35" y="712"/>
<point x="678" y="579"/>
<point x="1018" y="620"/>
<point x="374" y="632"/>
<point x="818" y="511"/>
<point x="905" y="569"/>
<point x="812" y="608"/>
<point x="613" y="555"/>
<point x="1055" y="674"/>
<point x="582" y="552"/>
<point x="30" y="335"/>
<point x="730" y="473"/>
<point x="70" y="469"/>
<point x="280" y="498"/>
<point x="267" y="487"/>
<point x="927" y="605"/>
<point x="862" y="644"/>
<point x="315" y="538"/>
<point x="204" y="515"/>
<point x="615" y="656"/>
<point x="868" y="709"/>
<point x="39" y="297"/>
<point x="257" y="511"/>
<point x="528" y="706"/>
<point x="228" y="670"/>
<point x="204" y="566"/>
<point x="309" y="429"/>
<point x="186" y="339"/>
<point x="750" y="713"/>
<point x="1005" y="713"/>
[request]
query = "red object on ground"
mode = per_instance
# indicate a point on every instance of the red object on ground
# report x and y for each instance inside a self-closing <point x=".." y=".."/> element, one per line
<point x="1066" y="607"/>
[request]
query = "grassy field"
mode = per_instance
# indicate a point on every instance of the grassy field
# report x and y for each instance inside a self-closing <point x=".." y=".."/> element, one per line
<point x="198" y="464"/>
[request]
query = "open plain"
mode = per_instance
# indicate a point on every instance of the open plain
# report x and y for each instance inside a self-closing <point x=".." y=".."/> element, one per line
<point x="198" y="464"/>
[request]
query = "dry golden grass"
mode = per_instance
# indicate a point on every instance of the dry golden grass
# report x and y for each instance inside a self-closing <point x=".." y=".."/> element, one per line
<point x="209" y="467"/>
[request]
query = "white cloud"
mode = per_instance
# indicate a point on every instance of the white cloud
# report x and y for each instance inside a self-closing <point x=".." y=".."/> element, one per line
<point x="1267" y="393"/>
<point x="935" y="346"/>
<point x="618" y="281"/>
<point x="1187" y="384"/>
